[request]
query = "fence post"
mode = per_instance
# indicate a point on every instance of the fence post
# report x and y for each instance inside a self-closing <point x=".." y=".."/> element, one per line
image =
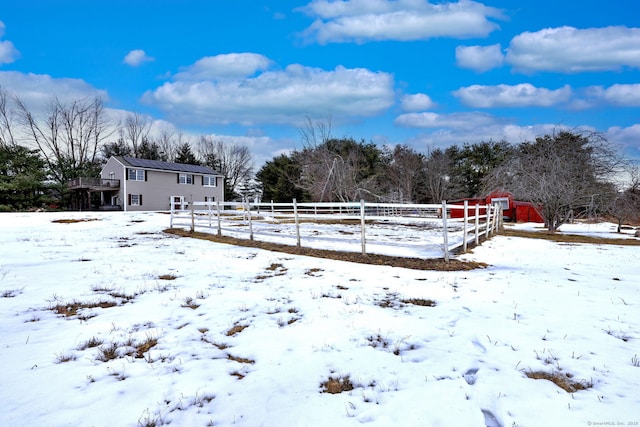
<point x="362" y="228"/>
<point x="210" y="214"/>
<point x="219" y="225"/>
<point x="488" y="219"/>
<point x="295" y="216"/>
<point x="248" y="207"/>
<point x="445" y="248"/>
<point x="477" y="231"/>
<point x="464" y="230"/>
<point x="193" y="216"/>
<point x="171" y="217"/>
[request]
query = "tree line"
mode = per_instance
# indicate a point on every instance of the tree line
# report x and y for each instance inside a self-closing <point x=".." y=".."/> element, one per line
<point x="566" y="174"/>
<point x="40" y="153"/>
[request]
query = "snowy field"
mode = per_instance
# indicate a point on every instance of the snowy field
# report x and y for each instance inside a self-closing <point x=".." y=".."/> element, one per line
<point x="110" y="322"/>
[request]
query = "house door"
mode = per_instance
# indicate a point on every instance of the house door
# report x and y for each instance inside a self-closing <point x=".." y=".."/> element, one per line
<point x="177" y="203"/>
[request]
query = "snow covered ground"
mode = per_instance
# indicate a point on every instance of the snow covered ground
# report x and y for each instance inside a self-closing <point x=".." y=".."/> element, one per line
<point x="185" y="332"/>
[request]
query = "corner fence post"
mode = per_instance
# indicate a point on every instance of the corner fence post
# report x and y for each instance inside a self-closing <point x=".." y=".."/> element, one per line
<point x="445" y="246"/>
<point x="362" y="228"/>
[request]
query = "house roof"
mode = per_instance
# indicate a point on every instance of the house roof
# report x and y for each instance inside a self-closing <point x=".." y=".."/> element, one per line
<point x="166" y="166"/>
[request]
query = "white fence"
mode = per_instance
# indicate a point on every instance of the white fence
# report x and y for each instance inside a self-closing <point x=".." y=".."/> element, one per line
<point x="412" y="230"/>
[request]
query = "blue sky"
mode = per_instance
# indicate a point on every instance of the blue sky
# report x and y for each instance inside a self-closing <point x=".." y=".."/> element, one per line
<point x="426" y="74"/>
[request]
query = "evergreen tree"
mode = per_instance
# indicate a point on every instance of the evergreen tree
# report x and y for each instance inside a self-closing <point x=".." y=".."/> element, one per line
<point x="185" y="155"/>
<point x="22" y="177"/>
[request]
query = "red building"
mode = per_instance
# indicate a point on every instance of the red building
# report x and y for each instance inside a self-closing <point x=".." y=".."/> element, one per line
<point x="512" y="210"/>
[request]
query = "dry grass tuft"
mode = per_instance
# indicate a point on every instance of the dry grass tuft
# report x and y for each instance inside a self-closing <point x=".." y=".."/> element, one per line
<point x="167" y="277"/>
<point x="562" y="380"/>
<point x="91" y="343"/>
<point x="190" y="303"/>
<point x="337" y="385"/>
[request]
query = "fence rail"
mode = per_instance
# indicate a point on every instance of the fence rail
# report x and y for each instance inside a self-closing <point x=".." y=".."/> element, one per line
<point x="416" y="230"/>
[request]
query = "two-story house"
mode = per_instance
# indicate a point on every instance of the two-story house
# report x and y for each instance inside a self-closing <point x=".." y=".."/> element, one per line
<point x="131" y="184"/>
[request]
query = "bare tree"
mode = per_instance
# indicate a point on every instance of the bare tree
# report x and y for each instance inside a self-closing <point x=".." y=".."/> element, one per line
<point x="68" y="136"/>
<point x="437" y="183"/>
<point x="626" y="204"/>
<point x="136" y="130"/>
<point x="562" y="173"/>
<point x="7" y="116"/>
<point x="404" y="173"/>
<point x="234" y="161"/>
<point x="340" y="169"/>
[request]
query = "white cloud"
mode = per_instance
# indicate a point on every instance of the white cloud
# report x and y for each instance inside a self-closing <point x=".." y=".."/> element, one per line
<point x="572" y="50"/>
<point x="364" y="20"/>
<point x="480" y="58"/>
<point x="522" y="95"/>
<point x="8" y="52"/>
<point x="137" y="57"/>
<point x="226" y="65"/>
<point x="37" y="90"/>
<point x="416" y="102"/>
<point x="627" y="137"/>
<point x="453" y="120"/>
<point x="623" y="95"/>
<point x="283" y="96"/>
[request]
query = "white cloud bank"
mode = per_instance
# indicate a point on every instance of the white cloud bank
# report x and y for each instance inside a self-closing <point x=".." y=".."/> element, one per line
<point x="137" y="57"/>
<point x="218" y="90"/>
<point x="365" y="20"/>
<point x="521" y="95"/>
<point x="572" y="50"/>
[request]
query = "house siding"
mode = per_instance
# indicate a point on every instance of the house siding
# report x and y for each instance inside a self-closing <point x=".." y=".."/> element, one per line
<point x="159" y="186"/>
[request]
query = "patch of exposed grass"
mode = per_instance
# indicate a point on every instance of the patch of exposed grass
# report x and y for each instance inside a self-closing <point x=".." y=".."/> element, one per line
<point x="337" y="385"/>
<point x="438" y="264"/>
<point x="568" y="238"/>
<point x="236" y="329"/>
<point x="73" y="221"/>
<point x="71" y="309"/>
<point x="167" y="277"/>
<point x="145" y="346"/>
<point x="419" y="301"/>
<point x="563" y="380"/>
<point x="240" y="359"/>
<point x="313" y="272"/>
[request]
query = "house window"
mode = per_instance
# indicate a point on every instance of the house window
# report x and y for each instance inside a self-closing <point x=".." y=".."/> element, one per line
<point x="184" y="178"/>
<point x="209" y="181"/>
<point x="135" y="199"/>
<point x="209" y="199"/>
<point x="136" y="174"/>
